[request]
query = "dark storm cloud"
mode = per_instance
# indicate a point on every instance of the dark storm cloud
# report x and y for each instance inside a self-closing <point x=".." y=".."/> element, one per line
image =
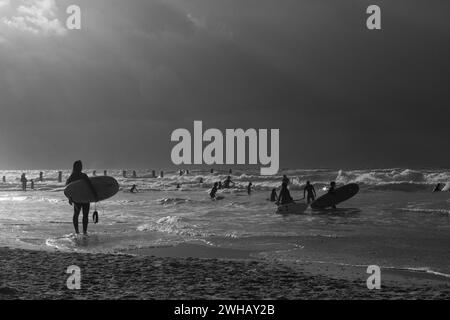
<point x="341" y="95"/>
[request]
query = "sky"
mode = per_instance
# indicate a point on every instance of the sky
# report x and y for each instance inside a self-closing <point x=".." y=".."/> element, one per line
<point x="112" y="93"/>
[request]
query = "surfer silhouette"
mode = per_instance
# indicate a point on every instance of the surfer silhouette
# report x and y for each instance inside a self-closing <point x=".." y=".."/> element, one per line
<point x="133" y="189"/>
<point x="213" y="192"/>
<point x="249" y="188"/>
<point x="24" y="181"/>
<point x="76" y="175"/>
<point x="227" y="183"/>
<point x="310" y="191"/>
<point x="331" y="190"/>
<point x="284" y="197"/>
<point x="273" y="195"/>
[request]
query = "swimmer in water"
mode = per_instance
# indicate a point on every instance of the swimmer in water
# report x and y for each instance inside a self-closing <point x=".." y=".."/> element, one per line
<point x="249" y="188"/>
<point x="213" y="192"/>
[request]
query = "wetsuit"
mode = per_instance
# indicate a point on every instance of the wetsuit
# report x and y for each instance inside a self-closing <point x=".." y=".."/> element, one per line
<point x="77" y="207"/>
<point x="311" y="193"/>
<point x="285" y="197"/>
<point x="212" y="194"/>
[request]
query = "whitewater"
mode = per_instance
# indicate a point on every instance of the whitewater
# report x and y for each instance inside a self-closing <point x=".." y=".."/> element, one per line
<point x="395" y="221"/>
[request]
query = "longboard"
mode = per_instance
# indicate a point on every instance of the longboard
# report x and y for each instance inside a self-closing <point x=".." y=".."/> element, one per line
<point x="340" y="195"/>
<point x="80" y="192"/>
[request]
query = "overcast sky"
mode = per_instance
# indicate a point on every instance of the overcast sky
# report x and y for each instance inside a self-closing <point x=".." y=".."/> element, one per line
<point x="112" y="93"/>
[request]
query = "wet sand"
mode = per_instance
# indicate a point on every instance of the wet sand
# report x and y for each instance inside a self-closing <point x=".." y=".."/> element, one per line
<point x="28" y="274"/>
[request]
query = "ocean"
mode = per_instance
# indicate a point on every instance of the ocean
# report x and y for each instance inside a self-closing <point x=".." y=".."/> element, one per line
<point x="395" y="221"/>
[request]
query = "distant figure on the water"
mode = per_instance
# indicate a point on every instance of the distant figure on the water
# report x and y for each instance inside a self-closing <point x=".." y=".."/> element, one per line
<point x="178" y="186"/>
<point x="24" y="181"/>
<point x="249" y="188"/>
<point x="41" y="176"/>
<point x="134" y="174"/>
<point x="285" y="180"/>
<point x="438" y="187"/>
<point x="228" y="183"/>
<point x="76" y="175"/>
<point x="94" y="173"/>
<point x="201" y="180"/>
<point x="273" y="195"/>
<point x="284" y="197"/>
<point x="180" y="173"/>
<point x="32" y="184"/>
<point x="133" y="189"/>
<point x="213" y="192"/>
<point x="310" y="191"/>
<point x="4" y="179"/>
<point x="230" y="171"/>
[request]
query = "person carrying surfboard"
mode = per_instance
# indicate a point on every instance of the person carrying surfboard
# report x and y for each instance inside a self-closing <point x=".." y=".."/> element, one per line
<point x="331" y="190"/>
<point x="284" y="197"/>
<point x="309" y="189"/>
<point x="77" y="174"/>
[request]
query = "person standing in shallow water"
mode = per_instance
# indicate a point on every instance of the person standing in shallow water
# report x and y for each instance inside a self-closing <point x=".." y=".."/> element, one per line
<point x="273" y="195"/>
<point x="332" y="190"/>
<point x="24" y="181"/>
<point x="284" y="196"/>
<point x="213" y="192"/>
<point x="76" y="175"/>
<point x="309" y="190"/>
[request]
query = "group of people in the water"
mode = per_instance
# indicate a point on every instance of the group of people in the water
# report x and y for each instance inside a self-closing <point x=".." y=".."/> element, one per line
<point x="284" y="197"/>
<point x="227" y="184"/>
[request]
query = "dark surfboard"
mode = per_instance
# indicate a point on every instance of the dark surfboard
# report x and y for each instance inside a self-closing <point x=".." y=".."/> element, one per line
<point x="340" y="194"/>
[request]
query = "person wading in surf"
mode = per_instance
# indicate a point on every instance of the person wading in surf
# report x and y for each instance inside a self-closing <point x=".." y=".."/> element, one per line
<point x="284" y="197"/>
<point x="228" y="183"/>
<point x="332" y="190"/>
<point x="309" y="188"/>
<point x="213" y="192"/>
<point x="273" y="195"/>
<point x="76" y="175"/>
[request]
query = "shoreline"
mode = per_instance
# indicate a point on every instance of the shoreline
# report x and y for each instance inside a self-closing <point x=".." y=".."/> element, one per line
<point x="28" y="274"/>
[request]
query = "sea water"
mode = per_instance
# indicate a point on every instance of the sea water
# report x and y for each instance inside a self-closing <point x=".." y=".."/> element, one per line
<point x="395" y="221"/>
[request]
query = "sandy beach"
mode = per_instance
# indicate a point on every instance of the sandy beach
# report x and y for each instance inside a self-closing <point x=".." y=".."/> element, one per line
<point x="29" y="274"/>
